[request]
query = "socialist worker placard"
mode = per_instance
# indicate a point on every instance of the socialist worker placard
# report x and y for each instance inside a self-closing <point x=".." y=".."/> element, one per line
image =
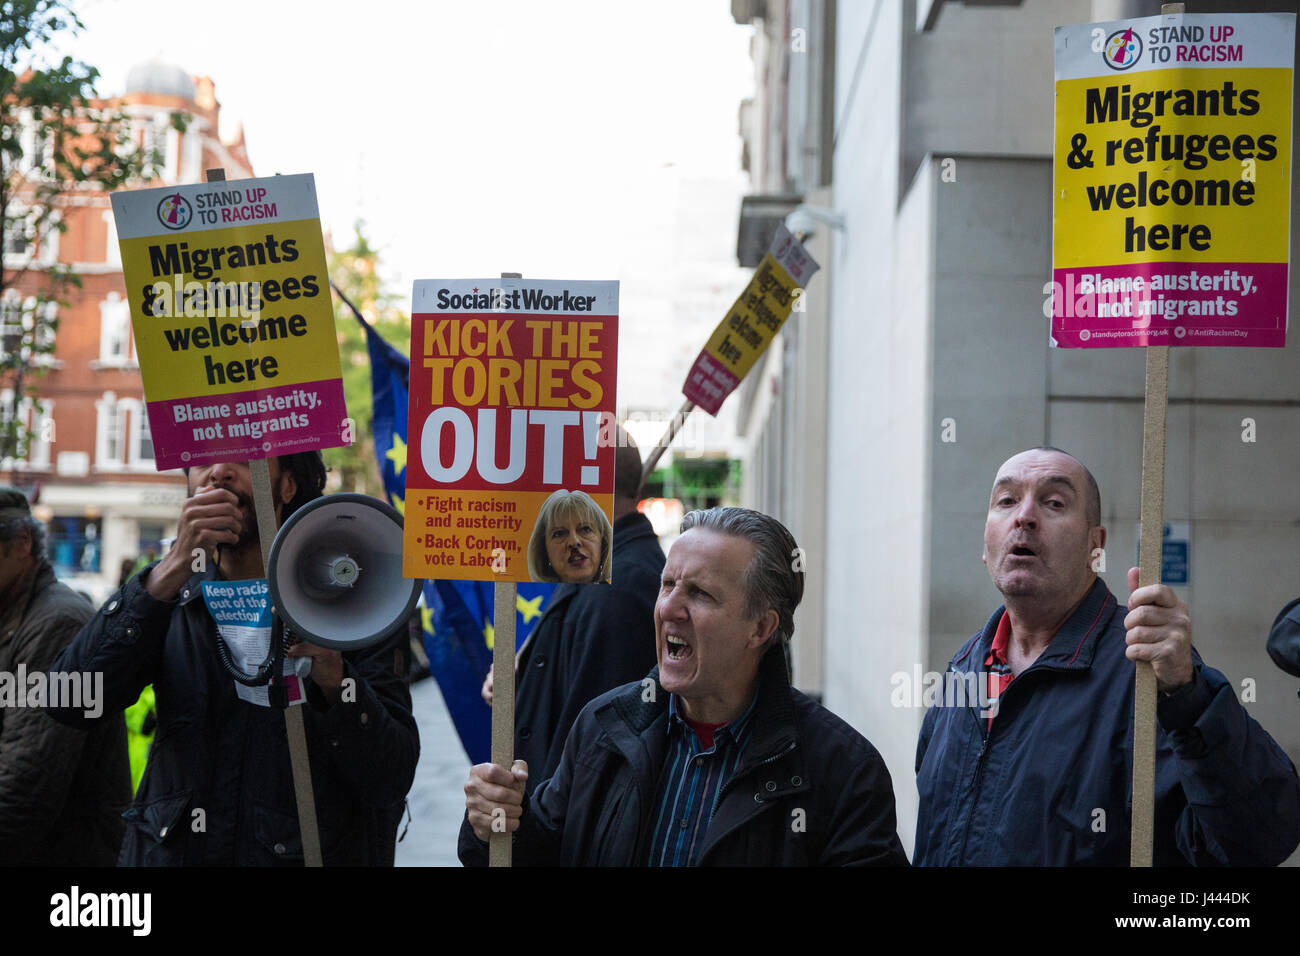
<point x="512" y="398"/>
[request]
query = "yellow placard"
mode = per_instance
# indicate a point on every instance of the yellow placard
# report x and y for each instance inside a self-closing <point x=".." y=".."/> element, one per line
<point x="1130" y="169"/>
<point x="210" y="329"/>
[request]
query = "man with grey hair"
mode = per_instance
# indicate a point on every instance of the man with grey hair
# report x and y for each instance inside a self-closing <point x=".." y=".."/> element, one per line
<point x="62" y="791"/>
<point x="713" y="759"/>
<point x="592" y="637"/>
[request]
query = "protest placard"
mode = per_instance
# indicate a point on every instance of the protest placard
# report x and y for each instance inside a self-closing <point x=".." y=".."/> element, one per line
<point x="242" y="612"/>
<point x="512" y="399"/>
<point x="233" y="322"/>
<point x="1171" y="216"/>
<point x="751" y="323"/>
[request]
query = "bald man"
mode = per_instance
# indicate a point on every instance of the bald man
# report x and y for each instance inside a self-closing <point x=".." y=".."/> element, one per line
<point x="1027" y="760"/>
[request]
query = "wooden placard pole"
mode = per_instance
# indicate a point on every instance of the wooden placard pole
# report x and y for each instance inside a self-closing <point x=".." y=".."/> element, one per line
<point x="504" y="600"/>
<point x="503" y="701"/>
<point x="657" y="452"/>
<point x="1150" y="556"/>
<point x="296" y="730"/>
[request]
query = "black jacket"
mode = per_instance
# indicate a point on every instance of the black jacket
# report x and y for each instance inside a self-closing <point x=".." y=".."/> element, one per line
<point x="810" y="790"/>
<point x="592" y="638"/>
<point x="218" y="788"/>
<point x="62" y="790"/>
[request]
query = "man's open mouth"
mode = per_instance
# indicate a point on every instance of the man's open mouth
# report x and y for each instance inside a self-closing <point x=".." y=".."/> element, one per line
<point x="1021" y="551"/>
<point x="678" y="650"/>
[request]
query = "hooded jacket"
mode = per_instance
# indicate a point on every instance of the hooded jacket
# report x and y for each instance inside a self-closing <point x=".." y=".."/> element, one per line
<point x="809" y="789"/>
<point x="1051" y="783"/>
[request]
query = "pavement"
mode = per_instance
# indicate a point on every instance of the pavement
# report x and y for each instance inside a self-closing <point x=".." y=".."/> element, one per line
<point x="437" y="798"/>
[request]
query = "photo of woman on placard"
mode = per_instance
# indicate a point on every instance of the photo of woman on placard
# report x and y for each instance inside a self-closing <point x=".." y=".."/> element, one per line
<point x="572" y="542"/>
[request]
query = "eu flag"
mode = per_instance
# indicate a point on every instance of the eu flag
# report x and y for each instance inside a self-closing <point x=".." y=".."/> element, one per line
<point x="457" y="615"/>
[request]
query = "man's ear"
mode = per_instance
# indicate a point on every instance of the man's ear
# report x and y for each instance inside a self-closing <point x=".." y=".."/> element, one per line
<point x="764" y="628"/>
<point x="288" y="488"/>
<point x="1097" y="537"/>
<point x="23" y="542"/>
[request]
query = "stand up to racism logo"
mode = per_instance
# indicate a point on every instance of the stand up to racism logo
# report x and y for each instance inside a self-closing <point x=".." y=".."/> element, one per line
<point x="174" y="211"/>
<point x="1123" y="49"/>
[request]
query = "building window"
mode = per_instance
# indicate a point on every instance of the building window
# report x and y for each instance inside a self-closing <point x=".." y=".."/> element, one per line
<point x="112" y="251"/>
<point x="159" y="142"/>
<point x="7" y="415"/>
<point x="36" y="144"/>
<point x="74" y="545"/>
<point x="11" y="322"/>
<point x="36" y="420"/>
<point x="113" y="437"/>
<point x="139" y="450"/>
<point x="144" y="441"/>
<point x="41" y="436"/>
<point x="18" y="318"/>
<point x="19" y="245"/>
<point x="191" y="153"/>
<point x="17" y="236"/>
<point x="110" y="435"/>
<point x="115" y="345"/>
<point x="46" y="314"/>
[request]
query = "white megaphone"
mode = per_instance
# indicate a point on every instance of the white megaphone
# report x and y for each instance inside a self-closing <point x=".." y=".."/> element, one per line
<point x="335" y="573"/>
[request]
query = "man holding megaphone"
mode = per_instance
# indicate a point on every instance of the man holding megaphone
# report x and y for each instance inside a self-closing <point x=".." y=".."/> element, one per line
<point x="218" y="789"/>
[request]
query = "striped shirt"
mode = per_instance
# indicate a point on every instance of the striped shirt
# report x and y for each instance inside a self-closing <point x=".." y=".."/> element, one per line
<point x="689" y="786"/>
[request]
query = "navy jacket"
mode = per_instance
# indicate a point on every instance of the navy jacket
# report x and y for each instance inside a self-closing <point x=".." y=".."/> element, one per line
<point x="218" y="788"/>
<point x="809" y="790"/>
<point x="591" y="638"/>
<point x="1284" y="639"/>
<point x="1051" y="784"/>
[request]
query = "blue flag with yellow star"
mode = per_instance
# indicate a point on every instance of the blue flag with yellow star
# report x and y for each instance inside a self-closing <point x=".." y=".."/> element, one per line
<point x="457" y="615"/>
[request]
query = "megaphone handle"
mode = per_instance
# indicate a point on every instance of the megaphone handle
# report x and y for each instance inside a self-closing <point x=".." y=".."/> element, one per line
<point x="279" y="689"/>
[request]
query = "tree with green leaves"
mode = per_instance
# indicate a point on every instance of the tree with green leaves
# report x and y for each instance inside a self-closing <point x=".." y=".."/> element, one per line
<point x="355" y="270"/>
<point x="58" y="140"/>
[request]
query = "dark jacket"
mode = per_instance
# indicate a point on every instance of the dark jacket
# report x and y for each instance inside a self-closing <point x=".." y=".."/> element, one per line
<point x="810" y="790"/>
<point x="591" y="638"/>
<point x="218" y="788"/>
<point x="1051" y="784"/>
<point x="1284" y="639"/>
<point x="62" y="791"/>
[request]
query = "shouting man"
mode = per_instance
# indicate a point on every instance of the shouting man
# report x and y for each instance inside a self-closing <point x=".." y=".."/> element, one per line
<point x="713" y="759"/>
<point x="1038" y="770"/>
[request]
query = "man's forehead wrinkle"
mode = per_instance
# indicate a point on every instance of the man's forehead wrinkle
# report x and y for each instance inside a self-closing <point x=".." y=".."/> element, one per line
<point x="1052" y="479"/>
<point x="697" y="570"/>
<point x="1059" y="480"/>
<point x="700" y="566"/>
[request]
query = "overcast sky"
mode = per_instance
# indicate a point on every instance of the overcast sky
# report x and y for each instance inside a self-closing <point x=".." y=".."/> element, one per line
<point x="549" y="138"/>
<point x="473" y="137"/>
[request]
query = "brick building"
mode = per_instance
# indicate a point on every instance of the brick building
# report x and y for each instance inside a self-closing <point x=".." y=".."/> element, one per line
<point x="90" y="462"/>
